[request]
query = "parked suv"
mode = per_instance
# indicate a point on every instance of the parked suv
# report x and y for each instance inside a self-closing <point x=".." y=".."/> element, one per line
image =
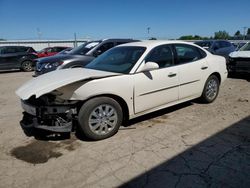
<point x="17" y="57"/>
<point x="217" y="47"/>
<point x="78" y="57"/>
<point x="50" y="51"/>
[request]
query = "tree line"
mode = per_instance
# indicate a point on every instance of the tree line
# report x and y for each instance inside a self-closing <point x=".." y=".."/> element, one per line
<point x="219" y="35"/>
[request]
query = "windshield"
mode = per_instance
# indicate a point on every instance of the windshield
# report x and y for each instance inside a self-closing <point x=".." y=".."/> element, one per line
<point x="119" y="59"/>
<point x="204" y="44"/>
<point x="246" y="47"/>
<point x="84" y="48"/>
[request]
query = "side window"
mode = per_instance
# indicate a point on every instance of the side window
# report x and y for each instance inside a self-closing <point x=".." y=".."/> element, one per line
<point x="58" y="49"/>
<point x="21" y="49"/>
<point x="203" y="53"/>
<point x="9" y="50"/>
<point x="105" y="47"/>
<point x="49" y="50"/>
<point x="161" y="55"/>
<point x="187" y="53"/>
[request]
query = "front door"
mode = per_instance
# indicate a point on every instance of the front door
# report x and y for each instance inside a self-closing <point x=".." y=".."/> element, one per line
<point x="157" y="87"/>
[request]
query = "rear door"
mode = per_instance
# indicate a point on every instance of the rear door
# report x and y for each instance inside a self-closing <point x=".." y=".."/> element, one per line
<point x="193" y="70"/>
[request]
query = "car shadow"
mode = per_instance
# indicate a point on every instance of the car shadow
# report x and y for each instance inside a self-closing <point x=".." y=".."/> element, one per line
<point x="128" y="124"/>
<point x="158" y="113"/>
<point x="222" y="160"/>
<point x="10" y="71"/>
<point x="242" y="76"/>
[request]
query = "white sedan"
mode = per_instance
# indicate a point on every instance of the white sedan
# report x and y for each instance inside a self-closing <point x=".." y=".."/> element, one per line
<point x="123" y="83"/>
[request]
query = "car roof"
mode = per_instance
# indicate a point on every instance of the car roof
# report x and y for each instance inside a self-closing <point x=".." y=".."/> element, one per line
<point x="154" y="43"/>
<point x="17" y="46"/>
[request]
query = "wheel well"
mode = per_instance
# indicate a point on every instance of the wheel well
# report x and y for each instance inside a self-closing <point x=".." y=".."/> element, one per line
<point x="217" y="75"/>
<point x="120" y="100"/>
<point x="27" y="60"/>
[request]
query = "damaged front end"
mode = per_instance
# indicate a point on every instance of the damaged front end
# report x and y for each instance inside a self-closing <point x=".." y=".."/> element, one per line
<point x="49" y="113"/>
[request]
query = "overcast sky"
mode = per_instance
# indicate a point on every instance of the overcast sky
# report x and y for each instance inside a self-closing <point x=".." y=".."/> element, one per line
<point x="27" y="19"/>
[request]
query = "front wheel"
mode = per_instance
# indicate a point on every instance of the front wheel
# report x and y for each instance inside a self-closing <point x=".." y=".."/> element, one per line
<point x="211" y="89"/>
<point x="27" y="66"/>
<point x="100" y="118"/>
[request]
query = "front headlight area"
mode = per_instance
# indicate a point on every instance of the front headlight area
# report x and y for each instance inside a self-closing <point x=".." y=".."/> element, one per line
<point x="53" y="65"/>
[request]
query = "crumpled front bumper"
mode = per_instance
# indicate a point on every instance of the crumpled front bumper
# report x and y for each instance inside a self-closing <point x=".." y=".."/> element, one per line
<point x="57" y="119"/>
<point x="30" y="125"/>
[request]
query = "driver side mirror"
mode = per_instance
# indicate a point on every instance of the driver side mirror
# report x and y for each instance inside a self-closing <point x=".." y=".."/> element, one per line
<point x="149" y="66"/>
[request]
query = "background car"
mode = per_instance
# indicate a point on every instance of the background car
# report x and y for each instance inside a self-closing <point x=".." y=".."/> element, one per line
<point x="50" y="51"/>
<point x="78" y="57"/>
<point x="217" y="47"/>
<point x="125" y="82"/>
<point x="238" y="45"/>
<point x="239" y="61"/>
<point x="65" y="51"/>
<point x="17" y="57"/>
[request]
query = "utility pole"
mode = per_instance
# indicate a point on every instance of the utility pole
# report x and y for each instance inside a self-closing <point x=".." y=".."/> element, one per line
<point x="75" y="43"/>
<point x="148" y="29"/>
<point x="39" y="33"/>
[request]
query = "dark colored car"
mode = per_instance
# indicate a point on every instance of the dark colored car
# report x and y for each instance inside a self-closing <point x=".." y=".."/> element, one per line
<point x="217" y="47"/>
<point x="50" y="51"/>
<point x="239" y="61"/>
<point x="65" y="51"/>
<point x="17" y="57"/>
<point x="78" y="57"/>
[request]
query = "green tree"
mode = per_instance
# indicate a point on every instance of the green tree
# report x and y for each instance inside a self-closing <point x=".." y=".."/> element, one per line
<point x="191" y="37"/>
<point x="221" y="35"/>
<point x="237" y="33"/>
<point x="248" y="31"/>
<point x="186" y="37"/>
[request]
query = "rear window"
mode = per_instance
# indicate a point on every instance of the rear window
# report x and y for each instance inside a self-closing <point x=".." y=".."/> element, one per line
<point x="187" y="53"/>
<point x="22" y="49"/>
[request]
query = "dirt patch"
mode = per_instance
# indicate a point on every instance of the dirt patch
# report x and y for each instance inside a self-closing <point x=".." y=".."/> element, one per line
<point x="38" y="151"/>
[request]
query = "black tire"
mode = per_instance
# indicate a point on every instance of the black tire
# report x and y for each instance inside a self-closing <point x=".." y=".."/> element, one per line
<point x="27" y="66"/>
<point x="211" y="89"/>
<point x="103" y="125"/>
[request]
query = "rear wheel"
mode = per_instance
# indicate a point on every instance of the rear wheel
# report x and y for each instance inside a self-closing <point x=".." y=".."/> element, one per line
<point x="27" y="66"/>
<point x="100" y="118"/>
<point x="211" y="89"/>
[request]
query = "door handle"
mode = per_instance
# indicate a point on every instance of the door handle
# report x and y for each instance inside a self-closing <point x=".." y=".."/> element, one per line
<point x="204" y="67"/>
<point x="171" y="74"/>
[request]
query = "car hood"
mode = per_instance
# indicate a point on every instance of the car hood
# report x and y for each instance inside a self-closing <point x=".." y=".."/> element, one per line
<point x="48" y="82"/>
<point x="241" y="54"/>
<point x="61" y="57"/>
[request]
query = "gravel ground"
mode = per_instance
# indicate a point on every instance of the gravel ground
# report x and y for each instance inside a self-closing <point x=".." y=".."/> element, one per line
<point x="189" y="145"/>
